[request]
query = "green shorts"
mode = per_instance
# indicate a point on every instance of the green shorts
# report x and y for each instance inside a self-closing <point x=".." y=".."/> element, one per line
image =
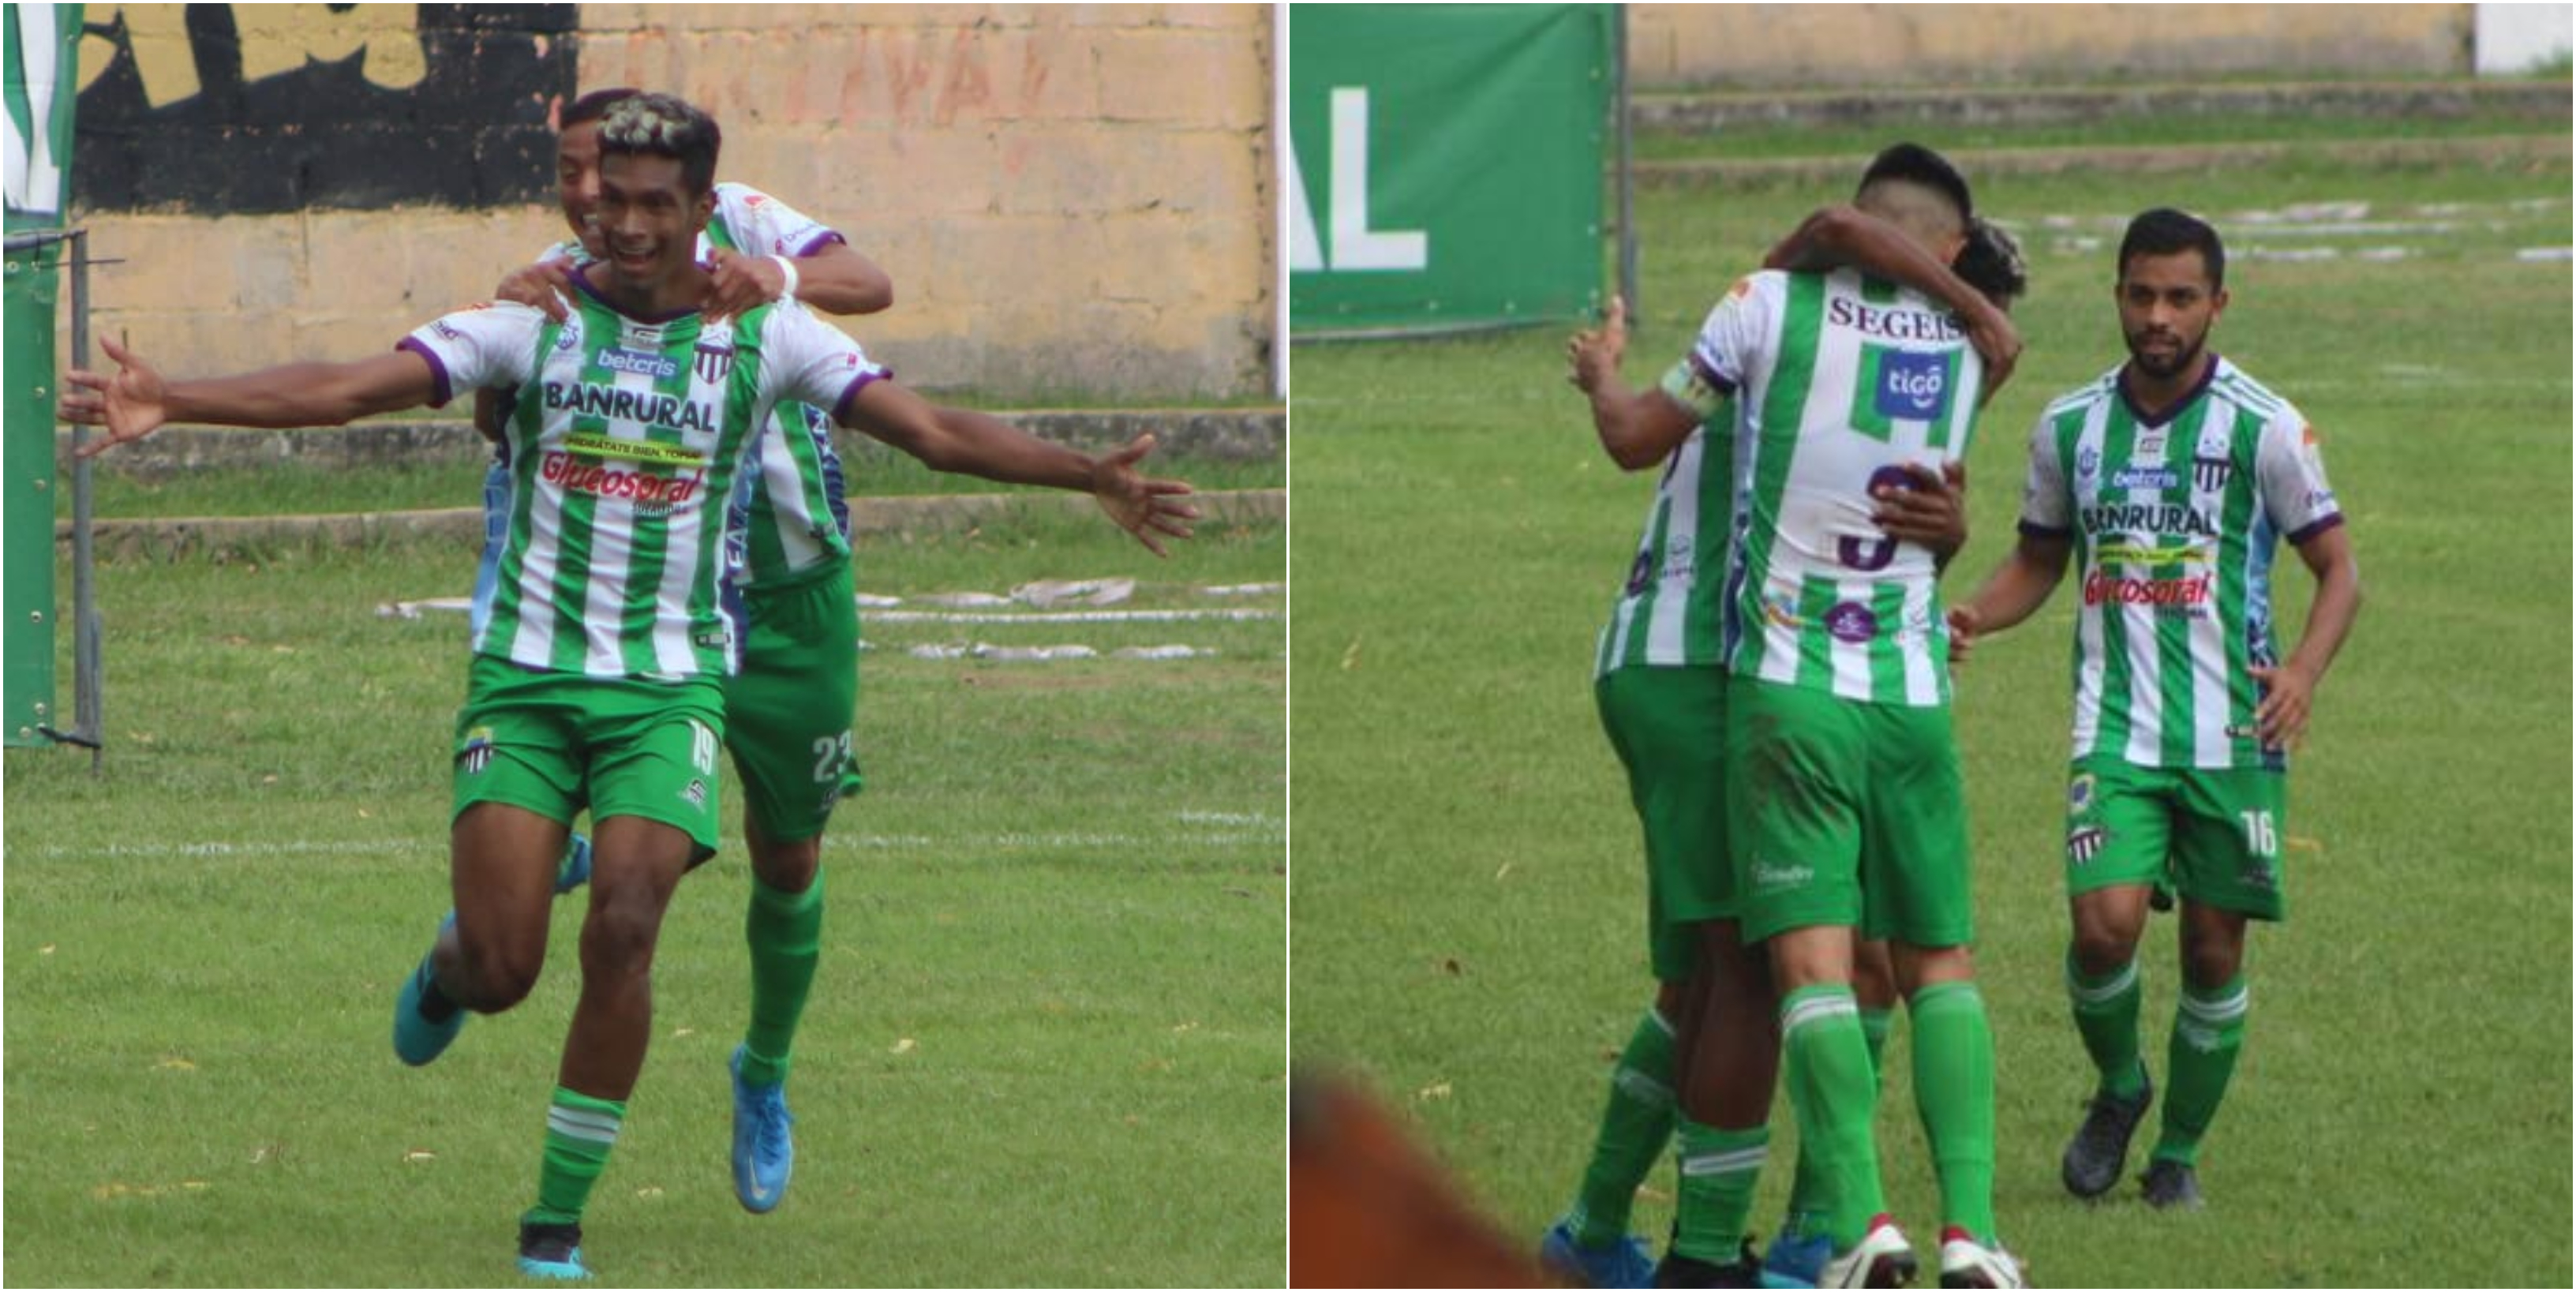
<point x="1666" y="724"/>
<point x="2215" y="832"/>
<point x="555" y="743"/>
<point x="1842" y="812"/>
<point x="788" y="712"/>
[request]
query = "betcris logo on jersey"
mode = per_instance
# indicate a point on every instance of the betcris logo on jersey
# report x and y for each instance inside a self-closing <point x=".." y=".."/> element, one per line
<point x="660" y="367"/>
<point x="1913" y="386"/>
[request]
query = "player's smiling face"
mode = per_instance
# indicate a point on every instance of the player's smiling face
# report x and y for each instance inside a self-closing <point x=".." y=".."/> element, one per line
<point x="648" y="219"/>
<point x="577" y="182"/>
<point x="2167" y="305"/>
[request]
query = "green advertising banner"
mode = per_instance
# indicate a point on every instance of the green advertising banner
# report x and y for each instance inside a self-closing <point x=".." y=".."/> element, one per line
<point x="41" y="41"/>
<point x="1445" y="165"/>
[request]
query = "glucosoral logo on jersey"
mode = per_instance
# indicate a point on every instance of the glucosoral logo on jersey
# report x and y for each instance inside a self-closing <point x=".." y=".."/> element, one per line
<point x="1914" y="386"/>
<point x="2190" y="594"/>
<point x="648" y="490"/>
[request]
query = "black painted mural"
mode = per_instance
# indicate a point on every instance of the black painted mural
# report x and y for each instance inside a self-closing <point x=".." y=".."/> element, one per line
<point x="234" y="110"/>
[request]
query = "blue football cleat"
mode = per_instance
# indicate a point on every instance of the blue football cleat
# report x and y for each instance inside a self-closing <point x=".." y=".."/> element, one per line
<point x="574" y="870"/>
<point x="551" y="1252"/>
<point x="764" y="1154"/>
<point x="1620" y="1264"/>
<point x="418" y="1039"/>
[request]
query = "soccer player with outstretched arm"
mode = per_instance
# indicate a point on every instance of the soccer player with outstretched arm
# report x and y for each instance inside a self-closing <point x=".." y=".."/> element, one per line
<point x="597" y="681"/>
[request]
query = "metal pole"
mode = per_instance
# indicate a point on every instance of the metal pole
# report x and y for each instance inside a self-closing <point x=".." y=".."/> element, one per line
<point x="87" y="720"/>
<point x="1627" y="176"/>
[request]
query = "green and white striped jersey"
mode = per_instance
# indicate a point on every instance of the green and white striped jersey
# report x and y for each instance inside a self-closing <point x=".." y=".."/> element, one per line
<point x="1839" y="380"/>
<point x="2175" y="523"/>
<point x="627" y="432"/>
<point x="789" y="515"/>
<point x="1668" y="614"/>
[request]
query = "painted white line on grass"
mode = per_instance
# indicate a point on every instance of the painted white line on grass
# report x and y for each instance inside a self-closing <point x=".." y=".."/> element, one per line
<point x="2544" y="253"/>
<point x="1049" y="654"/>
<point x="244" y="848"/>
<point x="1267" y="834"/>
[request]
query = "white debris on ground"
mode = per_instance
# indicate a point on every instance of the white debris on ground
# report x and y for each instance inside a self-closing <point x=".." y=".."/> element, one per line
<point x="1243" y="589"/>
<point x="414" y="609"/>
<point x="2544" y="253"/>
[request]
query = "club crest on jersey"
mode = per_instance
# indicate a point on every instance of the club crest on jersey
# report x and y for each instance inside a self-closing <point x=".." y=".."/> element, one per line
<point x="715" y="362"/>
<point x="2210" y="475"/>
<point x="1913" y="386"/>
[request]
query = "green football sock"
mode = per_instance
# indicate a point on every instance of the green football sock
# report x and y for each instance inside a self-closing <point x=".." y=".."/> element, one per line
<point x="1954" y="1091"/>
<point x="579" y="1132"/>
<point x="1875" y="1023"/>
<point x="786" y="935"/>
<point x="2106" y="1014"/>
<point x="1718" y="1171"/>
<point x="1826" y="1057"/>
<point x="1635" y="1125"/>
<point x="2209" y="1031"/>
<point x="1804" y="1209"/>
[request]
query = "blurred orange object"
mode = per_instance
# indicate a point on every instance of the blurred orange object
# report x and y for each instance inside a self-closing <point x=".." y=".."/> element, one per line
<point x="1368" y="1209"/>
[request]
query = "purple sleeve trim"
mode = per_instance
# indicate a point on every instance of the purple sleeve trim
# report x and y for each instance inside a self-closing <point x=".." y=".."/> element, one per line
<point x="1717" y="381"/>
<point x="819" y="241"/>
<point x="437" y="369"/>
<point x="2036" y="530"/>
<point x="2320" y="526"/>
<point x="841" y="406"/>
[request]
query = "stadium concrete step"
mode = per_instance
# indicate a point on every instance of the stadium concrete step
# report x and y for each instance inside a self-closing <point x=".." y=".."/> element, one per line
<point x="2476" y="150"/>
<point x="2544" y="101"/>
<point x="165" y="536"/>
<point x="1225" y="434"/>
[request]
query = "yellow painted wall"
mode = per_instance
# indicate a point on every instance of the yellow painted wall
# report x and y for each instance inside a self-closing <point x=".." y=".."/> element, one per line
<point x="1070" y="198"/>
<point x="1847" y="46"/>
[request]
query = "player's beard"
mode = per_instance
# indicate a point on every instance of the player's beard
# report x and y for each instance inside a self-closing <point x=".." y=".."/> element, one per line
<point x="2164" y="368"/>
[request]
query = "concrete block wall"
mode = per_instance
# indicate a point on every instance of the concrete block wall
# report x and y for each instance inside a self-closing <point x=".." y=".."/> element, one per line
<point x="1073" y="200"/>
<point x="1790" y="46"/>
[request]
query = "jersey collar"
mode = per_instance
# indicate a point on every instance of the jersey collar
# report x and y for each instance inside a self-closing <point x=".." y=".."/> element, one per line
<point x="2165" y="415"/>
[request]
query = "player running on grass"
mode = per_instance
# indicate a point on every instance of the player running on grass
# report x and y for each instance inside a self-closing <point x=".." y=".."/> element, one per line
<point x="789" y="706"/>
<point x="2172" y="476"/>
<point x="596" y="683"/>
<point x="1662" y="691"/>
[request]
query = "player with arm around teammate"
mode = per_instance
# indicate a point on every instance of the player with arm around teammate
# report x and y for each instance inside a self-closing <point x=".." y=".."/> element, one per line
<point x="2172" y="478"/>
<point x="597" y="681"/>
<point x="791" y="703"/>
<point x="1661" y="690"/>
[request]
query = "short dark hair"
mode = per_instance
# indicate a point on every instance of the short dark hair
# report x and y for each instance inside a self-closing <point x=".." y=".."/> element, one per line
<point x="665" y="125"/>
<point x="1916" y="164"/>
<point x="2165" y="231"/>
<point x="594" y="105"/>
<point x="1992" y="263"/>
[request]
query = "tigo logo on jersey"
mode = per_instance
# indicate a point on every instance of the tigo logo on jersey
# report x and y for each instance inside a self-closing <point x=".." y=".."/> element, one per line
<point x="660" y="367"/>
<point x="1913" y="387"/>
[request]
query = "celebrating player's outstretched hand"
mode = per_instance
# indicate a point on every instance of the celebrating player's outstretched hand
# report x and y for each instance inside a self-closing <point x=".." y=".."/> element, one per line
<point x="1594" y="355"/>
<point x="128" y="405"/>
<point x="1142" y="505"/>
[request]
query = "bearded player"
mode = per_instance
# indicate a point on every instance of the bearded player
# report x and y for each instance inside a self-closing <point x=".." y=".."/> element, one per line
<point x="2174" y="476"/>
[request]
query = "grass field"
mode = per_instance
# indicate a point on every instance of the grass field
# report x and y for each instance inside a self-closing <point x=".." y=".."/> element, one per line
<point x="1467" y="915"/>
<point x="1046" y="1046"/>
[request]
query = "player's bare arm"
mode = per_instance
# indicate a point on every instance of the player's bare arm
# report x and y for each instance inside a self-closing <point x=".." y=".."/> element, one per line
<point x="835" y="278"/>
<point x="1637" y="428"/>
<point x="2288" y="689"/>
<point x="137" y="400"/>
<point x="979" y="444"/>
<point x="2014" y="592"/>
<point x="1843" y="234"/>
